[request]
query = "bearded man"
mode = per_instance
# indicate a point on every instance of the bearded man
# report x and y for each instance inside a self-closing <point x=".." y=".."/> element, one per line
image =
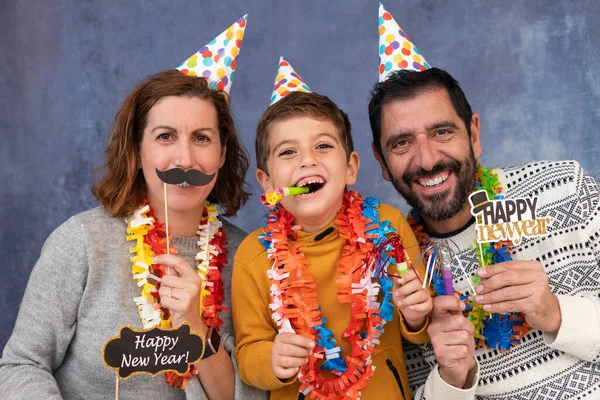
<point x="427" y="141"/>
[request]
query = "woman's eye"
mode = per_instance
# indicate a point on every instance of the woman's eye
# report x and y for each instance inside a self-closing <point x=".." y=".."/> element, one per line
<point x="164" y="136"/>
<point x="202" y="138"/>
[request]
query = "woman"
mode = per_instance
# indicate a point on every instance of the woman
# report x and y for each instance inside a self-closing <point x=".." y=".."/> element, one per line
<point x="81" y="290"/>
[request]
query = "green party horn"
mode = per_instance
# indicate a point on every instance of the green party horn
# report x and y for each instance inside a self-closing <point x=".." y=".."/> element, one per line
<point x="270" y="199"/>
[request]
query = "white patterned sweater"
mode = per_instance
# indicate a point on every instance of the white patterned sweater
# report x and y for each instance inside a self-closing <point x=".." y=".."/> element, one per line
<point x="567" y="366"/>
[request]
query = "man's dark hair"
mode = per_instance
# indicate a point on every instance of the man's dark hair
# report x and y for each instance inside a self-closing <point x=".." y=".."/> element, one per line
<point x="405" y="84"/>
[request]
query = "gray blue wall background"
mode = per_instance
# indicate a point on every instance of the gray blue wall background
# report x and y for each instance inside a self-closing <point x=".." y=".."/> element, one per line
<point x="530" y="68"/>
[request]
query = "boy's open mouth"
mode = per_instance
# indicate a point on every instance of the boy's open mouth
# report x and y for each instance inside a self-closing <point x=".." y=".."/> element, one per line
<point x="314" y="184"/>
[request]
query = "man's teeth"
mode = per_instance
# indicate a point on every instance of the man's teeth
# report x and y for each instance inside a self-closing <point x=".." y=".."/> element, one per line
<point x="184" y="184"/>
<point x="433" y="182"/>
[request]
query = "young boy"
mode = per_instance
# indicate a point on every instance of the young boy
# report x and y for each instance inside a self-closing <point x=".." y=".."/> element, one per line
<point x="302" y="283"/>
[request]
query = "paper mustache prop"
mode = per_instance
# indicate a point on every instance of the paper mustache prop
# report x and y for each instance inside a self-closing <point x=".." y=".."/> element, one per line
<point x="177" y="176"/>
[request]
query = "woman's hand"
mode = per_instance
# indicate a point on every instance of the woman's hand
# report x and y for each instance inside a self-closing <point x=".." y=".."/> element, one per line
<point x="180" y="292"/>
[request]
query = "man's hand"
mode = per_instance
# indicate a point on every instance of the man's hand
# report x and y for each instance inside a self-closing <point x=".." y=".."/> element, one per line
<point x="290" y="351"/>
<point x="413" y="302"/>
<point x="452" y="339"/>
<point x="520" y="286"/>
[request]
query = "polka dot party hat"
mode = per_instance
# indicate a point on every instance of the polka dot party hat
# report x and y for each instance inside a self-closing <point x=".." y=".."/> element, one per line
<point x="217" y="60"/>
<point x="287" y="81"/>
<point x="396" y="51"/>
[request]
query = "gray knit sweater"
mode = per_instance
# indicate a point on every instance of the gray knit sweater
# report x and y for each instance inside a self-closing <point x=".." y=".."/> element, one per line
<point x="79" y="294"/>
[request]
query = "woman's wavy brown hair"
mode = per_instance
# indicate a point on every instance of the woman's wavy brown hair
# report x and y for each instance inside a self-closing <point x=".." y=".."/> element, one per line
<point x="122" y="188"/>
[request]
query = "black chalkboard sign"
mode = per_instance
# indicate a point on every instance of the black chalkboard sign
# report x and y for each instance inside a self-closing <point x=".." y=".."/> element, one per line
<point x="152" y="351"/>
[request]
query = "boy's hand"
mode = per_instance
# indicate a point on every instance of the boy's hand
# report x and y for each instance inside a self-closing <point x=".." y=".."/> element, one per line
<point x="290" y="352"/>
<point x="412" y="301"/>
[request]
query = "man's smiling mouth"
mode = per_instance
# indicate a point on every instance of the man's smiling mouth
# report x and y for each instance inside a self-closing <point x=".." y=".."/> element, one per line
<point x="433" y="182"/>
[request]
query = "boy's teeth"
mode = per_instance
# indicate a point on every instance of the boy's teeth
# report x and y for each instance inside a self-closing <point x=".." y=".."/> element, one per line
<point x="184" y="184"/>
<point x="309" y="182"/>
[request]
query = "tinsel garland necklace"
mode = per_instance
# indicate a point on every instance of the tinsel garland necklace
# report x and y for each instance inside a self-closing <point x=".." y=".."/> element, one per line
<point x="496" y="331"/>
<point x="361" y="280"/>
<point x="150" y="241"/>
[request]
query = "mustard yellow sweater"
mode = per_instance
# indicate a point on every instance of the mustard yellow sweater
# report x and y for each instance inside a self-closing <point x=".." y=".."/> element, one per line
<point x="255" y="330"/>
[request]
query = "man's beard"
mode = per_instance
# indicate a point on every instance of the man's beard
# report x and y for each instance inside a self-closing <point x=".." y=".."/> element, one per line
<point x="442" y="205"/>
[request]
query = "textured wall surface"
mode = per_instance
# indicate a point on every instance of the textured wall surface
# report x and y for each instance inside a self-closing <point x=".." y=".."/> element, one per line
<point x="531" y="69"/>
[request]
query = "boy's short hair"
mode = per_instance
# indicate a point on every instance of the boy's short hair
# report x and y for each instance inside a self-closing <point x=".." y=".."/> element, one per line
<point x="298" y="104"/>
